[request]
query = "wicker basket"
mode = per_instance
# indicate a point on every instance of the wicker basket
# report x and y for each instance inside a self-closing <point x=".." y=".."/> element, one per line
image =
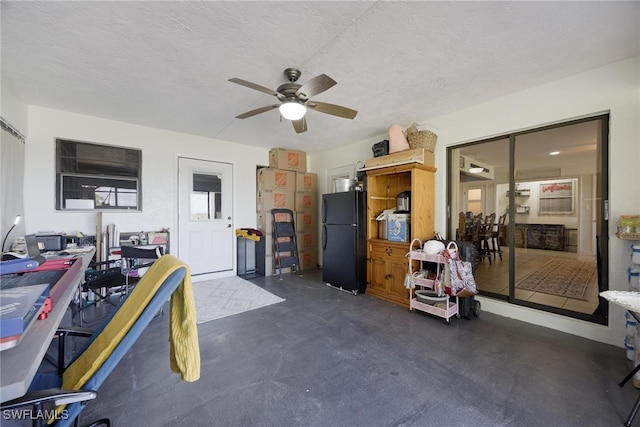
<point x="421" y="138"/>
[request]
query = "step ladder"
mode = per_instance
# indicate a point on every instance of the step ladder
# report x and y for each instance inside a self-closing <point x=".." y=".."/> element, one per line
<point x="285" y="245"/>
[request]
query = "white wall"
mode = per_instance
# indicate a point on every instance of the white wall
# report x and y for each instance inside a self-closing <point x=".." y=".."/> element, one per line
<point x="346" y="155"/>
<point x="533" y="201"/>
<point x="12" y="109"/>
<point x="160" y="150"/>
<point x="614" y="88"/>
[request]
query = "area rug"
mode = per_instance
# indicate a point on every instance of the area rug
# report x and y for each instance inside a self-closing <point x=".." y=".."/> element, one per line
<point x="224" y="297"/>
<point x="566" y="278"/>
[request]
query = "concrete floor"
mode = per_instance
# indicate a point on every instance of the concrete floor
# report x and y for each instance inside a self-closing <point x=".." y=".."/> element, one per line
<point x="328" y="358"/>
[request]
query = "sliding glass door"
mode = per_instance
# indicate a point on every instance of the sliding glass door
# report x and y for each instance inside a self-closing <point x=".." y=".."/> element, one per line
<point x="532" y="205"/>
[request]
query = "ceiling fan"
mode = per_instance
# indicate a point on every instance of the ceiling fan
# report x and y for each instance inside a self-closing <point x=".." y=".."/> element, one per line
<point x="295" y="99"/>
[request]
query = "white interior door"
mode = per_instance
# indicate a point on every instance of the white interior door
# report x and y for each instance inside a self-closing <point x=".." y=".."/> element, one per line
<point x="205" y="225"/>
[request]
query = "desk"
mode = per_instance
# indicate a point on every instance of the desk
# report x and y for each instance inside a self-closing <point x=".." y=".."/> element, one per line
<point x="20" y="363"/>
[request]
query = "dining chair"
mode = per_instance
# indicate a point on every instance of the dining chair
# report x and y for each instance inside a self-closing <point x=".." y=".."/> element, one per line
<point x="461" y="232"/>
<point x="474" y="233"/>
<point x="498" y="236"/>
<point x="486" y="236"/>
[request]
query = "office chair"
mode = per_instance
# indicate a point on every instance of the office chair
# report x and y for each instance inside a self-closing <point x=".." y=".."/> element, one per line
<point x="135" y="262"/>
<point x="106" y="277"/>
<point x="76" y="384"/>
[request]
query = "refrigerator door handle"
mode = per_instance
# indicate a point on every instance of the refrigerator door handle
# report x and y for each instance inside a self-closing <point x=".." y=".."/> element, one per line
<point x="324" y="210"/>
<point x="324" y="237"/>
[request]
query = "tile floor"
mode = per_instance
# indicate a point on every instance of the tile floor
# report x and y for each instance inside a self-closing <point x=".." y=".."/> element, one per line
<point x="494" y="278"/>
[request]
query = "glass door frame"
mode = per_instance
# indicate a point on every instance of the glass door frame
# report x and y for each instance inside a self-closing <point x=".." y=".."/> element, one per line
<point x="600" y="316"/>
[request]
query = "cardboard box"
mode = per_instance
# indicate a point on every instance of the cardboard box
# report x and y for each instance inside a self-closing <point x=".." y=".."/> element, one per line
<point x="281" y="158"/>
<point x="264" y="220"/>
<point x="272" y="179"/>
<point x="306" y="221"/>
<point x="307" y="240"/>
<point x="306" y="181"/>
<point x="269" y="248"/>
<point x="399" y="227"/>
<point x="277" y="198"/>
<point x="417" y="155"/>
<point x="308" y="259"/>
<point x="271" y="267"/>
<point x="157" y="238"/>
<point x="306" y="201"/>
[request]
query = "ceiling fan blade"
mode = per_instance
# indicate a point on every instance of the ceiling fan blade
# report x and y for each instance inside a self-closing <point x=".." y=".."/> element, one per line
<point x="334" y="110"/>
<point x="300" y="125"/>
<point x="254" y="86"/>
<point x="257" y="111"/>
<point x="315" y="86"/>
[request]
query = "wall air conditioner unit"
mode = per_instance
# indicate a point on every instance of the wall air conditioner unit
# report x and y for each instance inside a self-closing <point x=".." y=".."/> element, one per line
<point x="529" y="174"/>
<point x="475" y="170"/>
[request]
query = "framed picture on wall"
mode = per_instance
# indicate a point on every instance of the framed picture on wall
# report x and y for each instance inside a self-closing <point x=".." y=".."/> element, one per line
<point x="557" y="198"/>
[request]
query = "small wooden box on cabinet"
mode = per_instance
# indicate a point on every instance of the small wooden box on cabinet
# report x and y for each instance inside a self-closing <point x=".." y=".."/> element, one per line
<point x="387" y="262"/>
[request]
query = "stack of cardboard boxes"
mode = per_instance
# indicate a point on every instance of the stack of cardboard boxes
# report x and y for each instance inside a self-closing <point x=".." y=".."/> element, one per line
<point x="286" y="184"/>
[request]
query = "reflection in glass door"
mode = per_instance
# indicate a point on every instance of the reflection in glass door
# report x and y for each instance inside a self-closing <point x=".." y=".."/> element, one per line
<point x="545" y="188"/>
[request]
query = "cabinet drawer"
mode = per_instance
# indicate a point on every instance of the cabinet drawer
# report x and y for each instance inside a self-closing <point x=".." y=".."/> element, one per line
<point x="390" y="250"/>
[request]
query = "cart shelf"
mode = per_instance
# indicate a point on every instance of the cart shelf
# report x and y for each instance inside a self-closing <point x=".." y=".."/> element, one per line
<point x="451" y="303"/>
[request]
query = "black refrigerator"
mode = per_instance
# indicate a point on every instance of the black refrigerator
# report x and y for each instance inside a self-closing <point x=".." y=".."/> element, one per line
<point x="344" y="240"/>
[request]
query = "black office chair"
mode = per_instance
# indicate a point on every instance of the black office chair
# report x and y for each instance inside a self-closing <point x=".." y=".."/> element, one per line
<point x="76" y="383"/>
<point x="106" y="278"/>
<point x="135" y="262"/>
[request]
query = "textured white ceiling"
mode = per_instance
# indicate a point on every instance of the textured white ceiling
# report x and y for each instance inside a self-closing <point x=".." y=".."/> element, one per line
<point x="165" y="64"/>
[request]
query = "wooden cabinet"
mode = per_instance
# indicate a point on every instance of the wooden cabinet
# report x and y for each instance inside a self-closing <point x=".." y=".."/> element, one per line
<point x="387" y="262"/>
<point x="540" y="236"/>
<point x="387" y="268"/>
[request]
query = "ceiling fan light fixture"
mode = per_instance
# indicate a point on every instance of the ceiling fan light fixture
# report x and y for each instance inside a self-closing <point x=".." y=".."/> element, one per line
<point x="292" y="110"/>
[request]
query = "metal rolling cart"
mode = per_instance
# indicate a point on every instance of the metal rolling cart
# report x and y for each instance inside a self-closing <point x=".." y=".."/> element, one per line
<point x="442" y="306"/>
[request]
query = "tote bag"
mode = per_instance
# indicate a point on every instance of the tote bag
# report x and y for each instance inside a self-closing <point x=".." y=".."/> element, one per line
<point x="459" y="278"/>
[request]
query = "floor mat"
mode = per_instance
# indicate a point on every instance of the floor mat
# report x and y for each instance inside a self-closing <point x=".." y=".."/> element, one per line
<point x="566" y="278"/>
<point x="227" y="296"/>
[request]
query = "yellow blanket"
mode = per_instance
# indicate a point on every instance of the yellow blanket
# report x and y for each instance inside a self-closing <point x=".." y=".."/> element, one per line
<point x="244" y="233"/>
<point x="185" y="351"/>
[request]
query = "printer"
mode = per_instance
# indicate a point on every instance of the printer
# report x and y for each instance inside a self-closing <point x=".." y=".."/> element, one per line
<point x="52" y="242"/>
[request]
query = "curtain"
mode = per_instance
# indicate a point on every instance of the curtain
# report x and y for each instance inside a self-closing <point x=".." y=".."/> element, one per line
<point x="11" y="184"/>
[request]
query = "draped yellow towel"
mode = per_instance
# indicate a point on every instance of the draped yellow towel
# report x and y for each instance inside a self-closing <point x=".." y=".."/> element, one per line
<point x="183" y="335"/>
<point x="245" y="233"/>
